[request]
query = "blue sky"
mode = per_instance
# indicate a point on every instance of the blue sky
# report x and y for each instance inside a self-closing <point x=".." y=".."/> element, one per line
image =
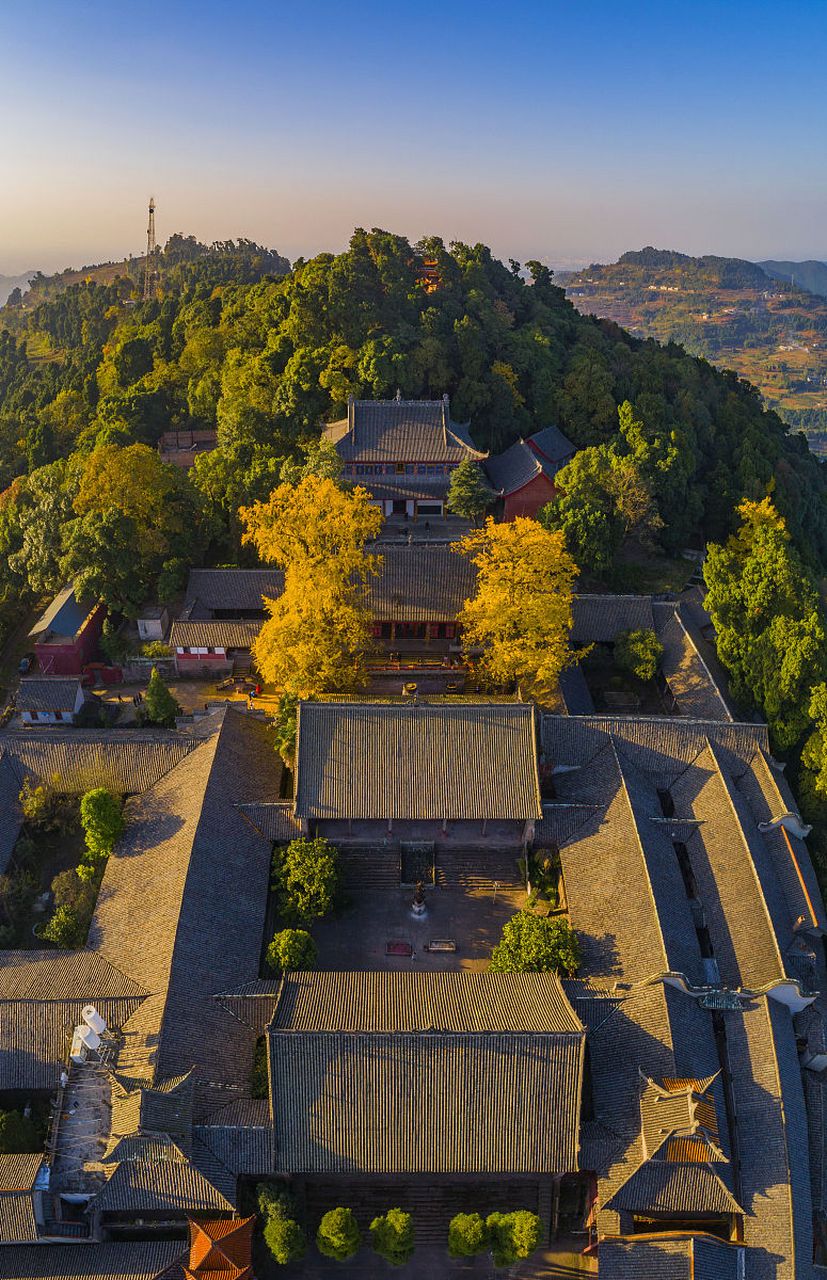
<point x="566" y="131"/>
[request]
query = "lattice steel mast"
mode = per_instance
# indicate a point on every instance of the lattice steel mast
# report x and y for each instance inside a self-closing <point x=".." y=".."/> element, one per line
<point x="150" y="271"/>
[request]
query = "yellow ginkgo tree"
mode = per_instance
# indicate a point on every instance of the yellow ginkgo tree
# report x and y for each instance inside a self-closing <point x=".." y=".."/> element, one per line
<point x="521" y="614"/>
<point x="318" y="631"/>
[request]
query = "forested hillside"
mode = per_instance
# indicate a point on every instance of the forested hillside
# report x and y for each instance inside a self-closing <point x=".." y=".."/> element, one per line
<point x="735" y="313"/>
<point x="90" y="377"/>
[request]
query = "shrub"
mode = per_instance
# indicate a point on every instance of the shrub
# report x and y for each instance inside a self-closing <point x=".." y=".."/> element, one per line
<point x="639" y="653"/>
<point x="285" y="1239"/>
<point x="101" y="816"/>
<point x="307" y="877"/>
<point x="513" y="1236"/>
<point x="159" y="704"/>
<point x="338" y="1235"/>
<point x="155" y="649"/>
<point x="536" y="944"/>
<point x="37" y="804"/>
<point x="392" y="1236"/>
<point x="284" y="724"/>
<point x="282" y="1233"/>
<point x="291" y="950"/>
<point x="467" y="1235"/>
<point x="73" y="891"/>
<point x="18" y="1134"/>
<point x="65" y="929"/>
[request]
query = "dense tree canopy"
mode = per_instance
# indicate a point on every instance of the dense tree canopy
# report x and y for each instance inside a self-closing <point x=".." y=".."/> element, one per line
<point x="235" y="342"/>
<point x="768" y="618"/>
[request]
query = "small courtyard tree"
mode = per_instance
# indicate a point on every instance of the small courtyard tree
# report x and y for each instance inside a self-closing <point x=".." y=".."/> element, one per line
<point x="469" y="493"/>
<point x="338" y="1235"/>
<point x="292" y="950"/>
<point x="392" y="1236"/>
<point x="639" y="653"/>
<point x="513" y="1236"/>
<point x="307" y="878"/>
<point x="521" y="615"/>
<point x="536" y="944"/>
<point x="467" y="1235"/>
<point x="282" y="1234"/>
<point x="159" y="704"/>
<point x="101" y="816"/>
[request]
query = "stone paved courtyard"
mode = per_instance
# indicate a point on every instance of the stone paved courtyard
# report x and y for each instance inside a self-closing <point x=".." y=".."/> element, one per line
<point x="357" y="937"/>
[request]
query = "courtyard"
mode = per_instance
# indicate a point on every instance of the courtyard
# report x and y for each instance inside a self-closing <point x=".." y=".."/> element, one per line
<point x="374" y="920"/>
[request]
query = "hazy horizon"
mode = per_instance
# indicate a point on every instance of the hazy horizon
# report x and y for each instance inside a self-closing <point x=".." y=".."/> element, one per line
<point x="571" y="136"/>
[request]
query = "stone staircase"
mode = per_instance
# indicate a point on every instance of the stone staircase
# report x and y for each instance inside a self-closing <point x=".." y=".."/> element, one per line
<point x="370" y="866"/>
<point x="477" y="869"/>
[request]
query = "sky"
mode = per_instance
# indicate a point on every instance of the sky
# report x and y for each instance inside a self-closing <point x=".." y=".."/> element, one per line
<point x="566" y="130"/>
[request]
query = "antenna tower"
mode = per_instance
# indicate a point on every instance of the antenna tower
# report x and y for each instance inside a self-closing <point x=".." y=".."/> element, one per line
<point x="150" y="267"/>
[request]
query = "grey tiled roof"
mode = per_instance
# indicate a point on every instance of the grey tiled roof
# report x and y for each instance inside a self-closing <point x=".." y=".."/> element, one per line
<point x="211" y="589"/>
<point x="253" y="1003"/>
<point x="175" y="1185"/>
<point x="689" y="679"/>
<point x="678" y="1257"/>
<point x="135" y="1260"/>
<point x="41" y="998"/>
<point x="532" y="1003"/>
<point x="402" y="431"/>
<point x="200" y="929"/>
<point x="17" y="1214"/>
<point x="369" y="1036"/>
<point x="11" y="815"/>
<point x="663" y="1186"/>
<point x="47" y="693"/>
<point x="240" y="1135"/>
<point x="372" y="760"/>
<point x="603" y="618"/>
<point x="416" y="488"/>
<point x="127" y="760"/>
<point x="275" y="821"/>
<point x="210" y="633"/>
<point x="552" y="444"/>
<point x="421" y="584"/>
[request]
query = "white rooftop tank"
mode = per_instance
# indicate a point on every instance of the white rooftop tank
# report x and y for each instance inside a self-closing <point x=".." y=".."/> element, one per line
<point x="93" y="1019"/>
<point x="89" y="1038"/>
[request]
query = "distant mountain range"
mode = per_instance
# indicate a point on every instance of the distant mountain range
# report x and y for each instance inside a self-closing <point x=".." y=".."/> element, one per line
<point x="740" y="315"/>
<point x="9" y="283"/>
<point x="809" y="275"/>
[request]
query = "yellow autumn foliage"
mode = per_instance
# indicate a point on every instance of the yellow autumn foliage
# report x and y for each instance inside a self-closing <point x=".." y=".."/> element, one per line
<point x="318" y="632"/>
<point x="522" y="613"/>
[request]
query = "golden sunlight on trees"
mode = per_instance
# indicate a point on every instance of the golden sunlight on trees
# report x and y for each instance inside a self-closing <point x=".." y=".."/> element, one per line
<point x="521" y="615"/>
<point x="317" y="635"/>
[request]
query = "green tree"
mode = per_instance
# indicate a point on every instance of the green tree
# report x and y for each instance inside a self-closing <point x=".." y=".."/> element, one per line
<point x="285" y="1239"/>
<point x="467" y="1235"/>
<point x="392" y="1236"/>
<point x="159" y="704"/>
<point x="639" y="653"/>
<point x="535" y="944"/>
<point x="18" y="1134"/>
<point x="282" y="1234"/>
<point x="513" y="1236"/>
<point x="307" y="877"/>
<point x="338" y="1235"/>
<point x="285" y="723"/>
<point x="101" y="816"/>
<point x="768" y="619"/>
<point x="292" y="950"/>
<point x="469" y="493"/>
<point x="65" y="929"/>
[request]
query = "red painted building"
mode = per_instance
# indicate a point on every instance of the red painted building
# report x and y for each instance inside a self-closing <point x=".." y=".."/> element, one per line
<point x="66" y="636"/>
<point x="523" y="476"/>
